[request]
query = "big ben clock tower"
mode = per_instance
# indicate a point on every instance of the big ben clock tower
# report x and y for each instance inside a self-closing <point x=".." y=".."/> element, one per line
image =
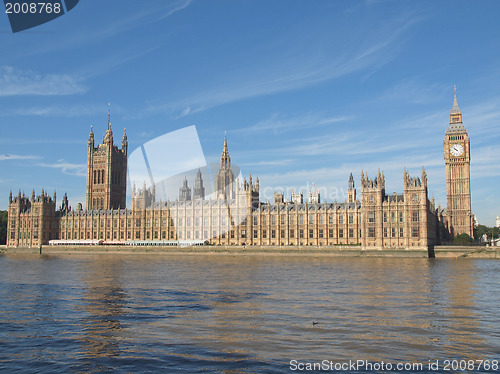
<point x="457" y="160"/>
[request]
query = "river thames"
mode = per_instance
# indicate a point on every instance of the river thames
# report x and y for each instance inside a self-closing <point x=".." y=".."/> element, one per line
<point x="246" y="314"/>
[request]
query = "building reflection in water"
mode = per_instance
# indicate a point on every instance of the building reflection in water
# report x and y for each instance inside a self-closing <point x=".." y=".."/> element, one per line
<point x="424" y="309"/>
<point x="391" y="303"/>
<point x="227" y="326"/>
<point x="462" y="322"/>
<point x="98" y="313"/>
<point x="236" y="313"/>
<point x="105" y="302"/>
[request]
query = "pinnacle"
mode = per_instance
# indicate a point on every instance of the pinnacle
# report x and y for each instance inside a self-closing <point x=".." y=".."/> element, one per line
<point x="455" y="109"/>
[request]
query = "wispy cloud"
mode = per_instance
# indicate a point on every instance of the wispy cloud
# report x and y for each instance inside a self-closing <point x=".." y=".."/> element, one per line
<point x="484" y="163"/>
<point x="67" y="168"/>
<point x="147" y="15"/>
<point x="295" y="70"/>
<point x="278" y="123"/>
<point x="115" y="59"/>
<point x="342" y="171"/>
<point x="353" y="143"/>
<point x="414" y="91"/>
<point x="56" y="111"/>
<point x="8" y="157"/>
<point x="29" y="141"/>
<point x="173" y="8"/>
<point x="483" y="118"/>
<point x="15" y="82"/>
<point x="268" y="163"/>
<point x="112" y="27"/>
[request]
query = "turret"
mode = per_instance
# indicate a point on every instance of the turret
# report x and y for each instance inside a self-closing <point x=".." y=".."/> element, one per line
<point x="185" y="191"/>
<point x="297" y="198"/>
<point x="142" y="198"/>
<point x="377" y="183"/>
<point x="279" y="198"/>
<point x="108" y="137"/>
<point x="65" y="204"/>
<point x="198" y="189"/>
<point x="350" y="187"/>
<point x="124" y="142"/>
<point x="91" y="138"/>
<point x="423" y="177"/>
<point x="314" y="197"/>
<point x="351" y="190"/>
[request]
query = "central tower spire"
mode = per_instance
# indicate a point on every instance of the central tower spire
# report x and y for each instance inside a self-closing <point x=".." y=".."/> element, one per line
<point x="224" y="183"/>
<point x="225" y="159"/>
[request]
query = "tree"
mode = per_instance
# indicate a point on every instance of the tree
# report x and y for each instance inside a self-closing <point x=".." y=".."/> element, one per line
<point x="463" y="239"/>
<point x="480" y="230"/>
<point x="3" y="226"/>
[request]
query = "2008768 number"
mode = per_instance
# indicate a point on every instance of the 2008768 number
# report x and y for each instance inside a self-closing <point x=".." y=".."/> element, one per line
<point x="25" y="8"/>
<point x="470" y="365"/>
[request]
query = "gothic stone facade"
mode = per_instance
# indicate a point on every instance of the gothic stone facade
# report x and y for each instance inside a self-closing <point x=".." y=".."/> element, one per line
<point x="236" y="216"/>
<point x="106" y="173"/>
<point x="457" y="160"/>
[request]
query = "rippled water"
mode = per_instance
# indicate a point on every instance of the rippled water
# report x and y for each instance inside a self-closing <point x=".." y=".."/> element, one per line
<point x="118" y="313"/>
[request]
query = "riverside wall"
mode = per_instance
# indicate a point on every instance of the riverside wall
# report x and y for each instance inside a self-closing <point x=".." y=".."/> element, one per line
<point x="452" y="251"/>
<point x="332" y="251"/>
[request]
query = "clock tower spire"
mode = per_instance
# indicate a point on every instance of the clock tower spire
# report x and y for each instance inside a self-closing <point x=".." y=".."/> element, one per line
<point x="457" y="161"/>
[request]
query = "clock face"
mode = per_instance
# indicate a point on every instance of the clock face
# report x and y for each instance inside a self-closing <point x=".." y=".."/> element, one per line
<point x="457" y="150"/>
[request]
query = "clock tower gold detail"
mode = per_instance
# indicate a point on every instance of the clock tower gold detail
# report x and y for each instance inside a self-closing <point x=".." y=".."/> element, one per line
<point x="457" y="161"/>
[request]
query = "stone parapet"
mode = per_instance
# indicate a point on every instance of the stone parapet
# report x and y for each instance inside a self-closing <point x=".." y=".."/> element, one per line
<point x="341" y="251"/>
<point x="450" y="251"/>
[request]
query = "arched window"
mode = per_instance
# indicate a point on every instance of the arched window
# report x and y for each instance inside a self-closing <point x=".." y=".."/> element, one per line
<point x="95" y="177"/>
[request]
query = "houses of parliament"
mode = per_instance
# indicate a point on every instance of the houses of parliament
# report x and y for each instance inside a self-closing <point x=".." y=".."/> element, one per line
<point x="234" y="215"/>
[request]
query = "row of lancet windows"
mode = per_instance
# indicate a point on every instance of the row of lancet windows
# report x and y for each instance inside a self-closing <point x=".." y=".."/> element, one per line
<point x="272" y="234"/>
<point x="197" y="222"/>
<point x="99" y="177"/>
<point x="98" y="203"/>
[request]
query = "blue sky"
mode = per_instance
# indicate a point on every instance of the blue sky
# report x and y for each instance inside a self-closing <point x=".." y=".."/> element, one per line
<point x="307" y="91"/>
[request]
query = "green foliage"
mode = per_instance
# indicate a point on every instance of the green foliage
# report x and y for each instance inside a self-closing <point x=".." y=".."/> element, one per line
<point x="480" y="230"/>
<point x="3" y="226"/>
<point x="463" y="239"/>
